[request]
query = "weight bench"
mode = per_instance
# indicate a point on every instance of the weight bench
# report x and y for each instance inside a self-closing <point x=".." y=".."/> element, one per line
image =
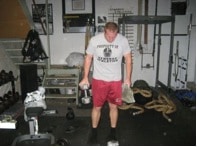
<point x="34" y="138"/>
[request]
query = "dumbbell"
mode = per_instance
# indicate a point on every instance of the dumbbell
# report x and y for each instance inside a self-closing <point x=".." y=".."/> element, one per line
<point x="6" y="77"/>
<point x="2" y="77"/>
<point x="16" y="96"/>
<point x="6" y="101"/>
<point x="62" y="142"/>
<point x="5" y="104"/>
<point x="70" y="115"/>
<point x="11" y="98"/>
<point x="86" y="99"/>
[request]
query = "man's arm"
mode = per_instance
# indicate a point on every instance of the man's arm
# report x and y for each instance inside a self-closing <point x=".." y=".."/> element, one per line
<point x="129" y="68"/>
<point x="87" y="64"/>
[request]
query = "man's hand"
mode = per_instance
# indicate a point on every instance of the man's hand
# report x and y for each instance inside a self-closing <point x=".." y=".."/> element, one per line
<point x="83" y="82"/>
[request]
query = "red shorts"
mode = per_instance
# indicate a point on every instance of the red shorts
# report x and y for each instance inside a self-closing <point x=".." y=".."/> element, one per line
<point x="103" y="91"/>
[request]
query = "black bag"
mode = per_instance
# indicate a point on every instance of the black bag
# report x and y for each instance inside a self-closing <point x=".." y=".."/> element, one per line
<point x="142" y="92"/>
<point x="32" y="49"/>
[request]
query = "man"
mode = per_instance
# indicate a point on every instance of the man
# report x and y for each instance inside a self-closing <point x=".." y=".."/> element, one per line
<point x="107" y="49"/>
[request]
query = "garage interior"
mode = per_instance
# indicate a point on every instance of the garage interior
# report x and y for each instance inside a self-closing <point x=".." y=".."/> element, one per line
<point x="162" y="38"/>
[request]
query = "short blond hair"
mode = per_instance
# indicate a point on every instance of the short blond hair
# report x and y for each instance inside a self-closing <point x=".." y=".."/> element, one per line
<point x="111" y="26"/>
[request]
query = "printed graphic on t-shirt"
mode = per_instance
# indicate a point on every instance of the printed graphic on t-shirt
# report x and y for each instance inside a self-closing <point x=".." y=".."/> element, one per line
<point x="106" y="52"/>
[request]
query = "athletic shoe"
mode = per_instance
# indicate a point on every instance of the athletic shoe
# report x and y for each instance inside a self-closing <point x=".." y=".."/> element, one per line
<point x="112" y="140"/>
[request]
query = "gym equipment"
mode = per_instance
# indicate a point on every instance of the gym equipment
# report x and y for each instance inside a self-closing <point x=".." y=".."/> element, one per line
<point x="16" y="96"/>
<point x="7" y="122"/>
<point x="142" y="92"/>
<point x="86" y="99"/>
<point x="145" y="98"/>
<point x="159" y="20"/>
<point x="8" y="98"/>
<point x="6" y="77"/>
<point x="34" y="107"/>
<point x="62" y="142"/>
<point x="6" y="101"/>
<point x="11" y="98"/>
<point x="161" y="104"/>
<point x="33" y="49"/>
<point x="2" y="107"/>
<point x="28" y="74"/>
<point x="70" y="114"/>
<point x="187" y="97"/>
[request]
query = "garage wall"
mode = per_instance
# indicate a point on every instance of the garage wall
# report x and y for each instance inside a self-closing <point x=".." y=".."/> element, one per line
<point x="62" y="44"/>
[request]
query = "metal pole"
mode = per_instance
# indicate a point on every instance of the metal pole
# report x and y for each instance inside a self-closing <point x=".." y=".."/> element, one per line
<point x="158" y="56"/>
<point x="188" y="47"/>
<point x="48" y="37"/>
<point x="155" y="27"/>
<point x="170" y="62"/>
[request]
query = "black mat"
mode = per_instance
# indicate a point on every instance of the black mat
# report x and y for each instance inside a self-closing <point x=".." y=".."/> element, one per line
<point x="58" y="126"/>
<point x="147" y="129"/>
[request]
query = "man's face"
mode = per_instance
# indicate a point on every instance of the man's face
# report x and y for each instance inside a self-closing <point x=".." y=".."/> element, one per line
<point x="110" y="35"/>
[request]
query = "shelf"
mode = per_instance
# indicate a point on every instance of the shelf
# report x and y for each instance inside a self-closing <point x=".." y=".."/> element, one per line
<point x="63" y="96"/>
<point x="145" y="19"/>
<point x="60" y="86"/>
<point x="63" y="76"/>
<point x="62" y="82"/>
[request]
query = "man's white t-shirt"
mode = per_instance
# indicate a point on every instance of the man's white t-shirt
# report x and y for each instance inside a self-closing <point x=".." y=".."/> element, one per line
<point x="107" y="57"/>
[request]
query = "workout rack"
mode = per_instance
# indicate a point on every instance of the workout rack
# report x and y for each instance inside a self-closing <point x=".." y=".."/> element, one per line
<point x="157" y="20"/>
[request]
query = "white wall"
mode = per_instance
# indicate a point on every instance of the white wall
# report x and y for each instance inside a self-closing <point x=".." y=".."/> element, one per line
<point x="62" y="44"/>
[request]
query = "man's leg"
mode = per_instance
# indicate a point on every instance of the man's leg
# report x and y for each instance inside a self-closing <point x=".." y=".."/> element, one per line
<point x="96" y="113"/>
<point x="113" y="114"/>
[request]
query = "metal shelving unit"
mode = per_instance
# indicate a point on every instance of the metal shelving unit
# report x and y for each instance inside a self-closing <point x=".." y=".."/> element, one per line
<point x="62" y="82"/>
<point x="157" y="20"/>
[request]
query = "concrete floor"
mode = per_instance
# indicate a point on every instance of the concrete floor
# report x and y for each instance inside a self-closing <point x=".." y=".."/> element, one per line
<point x="147" y="129"/>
